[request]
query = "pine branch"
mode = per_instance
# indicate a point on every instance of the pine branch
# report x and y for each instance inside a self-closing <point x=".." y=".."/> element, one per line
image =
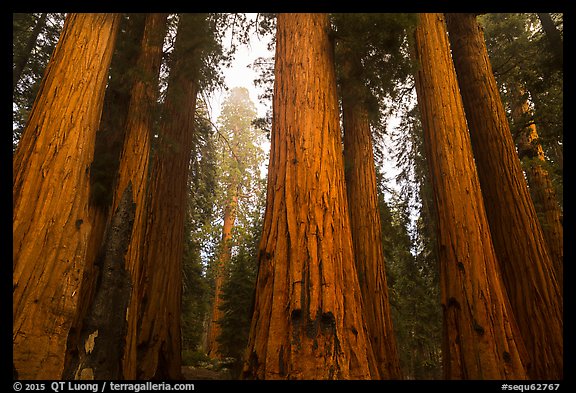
<point x="225" y="140"/>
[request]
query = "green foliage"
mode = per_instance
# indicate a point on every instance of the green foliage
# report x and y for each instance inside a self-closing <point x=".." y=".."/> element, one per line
<point x="265" y="80"/>
<point x="520" y="54"/>
<point x="194" y="295"/>
<point x="413" y="294"/>
<point x="237" y="298"/>
<point x="383" y="68"/>
<point x="409" y="242"/>
<point x="238" y="156"/>
<point x="380" y="43"/>
<point x="194" y="358"/>
<point x="239" y="289"/>
<point x="196" y="289"/>
<point x="110" y="136"/>
<point x="29" y="82"/>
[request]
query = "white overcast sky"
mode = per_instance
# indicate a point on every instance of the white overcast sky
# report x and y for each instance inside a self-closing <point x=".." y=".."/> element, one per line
<point x="240" y="75"/>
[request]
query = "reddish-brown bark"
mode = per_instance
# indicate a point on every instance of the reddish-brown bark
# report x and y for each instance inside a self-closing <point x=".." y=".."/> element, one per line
<point x="219" y="270"/>
<point x="104" y="167"/>
<point x="308" y="321"/>
<point x="526" y="267"/>
<point x="51" y="225"/>
<point x="481" y="338"/>
<point x="133" y="168"/>
<point x="539" y="182"/>
<point x="365" y="222"/>
<point x="159" y="336"/>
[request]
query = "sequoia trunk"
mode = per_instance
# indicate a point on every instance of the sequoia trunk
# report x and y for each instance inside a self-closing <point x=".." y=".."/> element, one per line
<point x="103" y="169"/>
<point x="50" y="194"/>
<point x="365" y="223"/>
<point x="159" y="341"/>
<point x="220" y="268"/>
<point x="526" y="266"/>
<point x="133" y="168"/>
<point x="481" y="339"/>
<point x="308" y="321"/>
<point x="539" y="181"/>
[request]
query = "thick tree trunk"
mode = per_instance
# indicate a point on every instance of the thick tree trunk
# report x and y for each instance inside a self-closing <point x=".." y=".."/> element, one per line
<point x="133" y="168"/>
<point x="308" y="321"/>
<point x="539" y="182"/>
<point x="50" y="195"/>
<point x="104" y="166"/>
<point x="365" y="224"/>
<point x="526" y="266"/>
<point x="159" y="344"/>
<point x="21" y="61"/>
<point x="213" y="348"/>
<point x="104" y="330"/>
<point x="481" y="339"/>
<point x="111" y="134"/>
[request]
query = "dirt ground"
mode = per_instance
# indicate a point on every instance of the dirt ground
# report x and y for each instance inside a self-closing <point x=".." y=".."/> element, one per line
<point x="198" y="373"/>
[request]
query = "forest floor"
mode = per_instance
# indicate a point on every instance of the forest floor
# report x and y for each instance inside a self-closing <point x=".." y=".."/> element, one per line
<point x="202" y="373"/>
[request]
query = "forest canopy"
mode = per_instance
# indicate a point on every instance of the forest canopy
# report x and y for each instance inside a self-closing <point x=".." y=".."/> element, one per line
<point x="396" y="214"/>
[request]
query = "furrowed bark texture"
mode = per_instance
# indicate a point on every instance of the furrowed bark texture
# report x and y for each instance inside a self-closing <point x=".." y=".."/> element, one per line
<point x="365" y="224"/>
<point x="539" y="182"/>
<point x="308" y="321"/>
<point x="104" y="330"/>
<point x="50" y="194"/>
<point x="481" y="339"/>
<point x="134" y="160"/>
<point x="526" y="266"/>
<point x="159" y="341"/>
<point x="104" y="167"/>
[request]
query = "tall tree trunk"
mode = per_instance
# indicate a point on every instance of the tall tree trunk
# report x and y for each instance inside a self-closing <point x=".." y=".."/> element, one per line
<point x="554" y="39"/>
<point x="539" y="181"/>
<point x="213" y="348"/>
<point x="133" y="167"/>
<point x="104" y="168"/>
<point x="104" y="329"/>
<point x="50" y="194"/>
<point x="21" y="60"/>
<point x="308" y="321"/>
<point x="159" y="343"/>
<point x="526" y="266"/>
<point x="365" y="223"/>
<point x="481" y="339"/>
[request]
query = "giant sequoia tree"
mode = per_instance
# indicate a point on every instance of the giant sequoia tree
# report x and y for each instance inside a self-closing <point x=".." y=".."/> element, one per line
<point x="113" y="205"/>
<point x="220" y="266"/>
<point x="362" y="196"/>
<point x="50" y="194"/>
<point x="308" y="321"/>
<point x="239" y="159"/>
<point x="531" y="87"/>
<point x="481" y="340"/>
<point x="538" y="175"/>
<point x="525" y="263"/>
<point x="134" y="158"/>
<point x="159" y="342"/>
<point x="103" y="171"/>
